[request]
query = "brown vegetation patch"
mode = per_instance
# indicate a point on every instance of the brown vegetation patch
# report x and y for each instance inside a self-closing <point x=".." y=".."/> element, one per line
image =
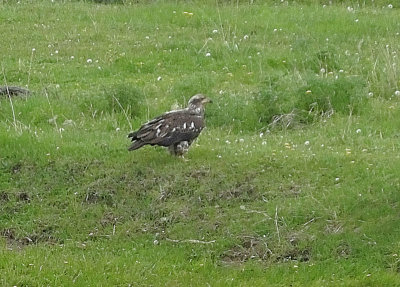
<point x="109" y="219"/>
<point x="23" y="196"/>
<point x="4" y="196"/>
<point x="200" y="173"/>
<point x="16" y="167"/>
<point x="239" y="190"/>
<point x="260" y="249"/>
<point x="295" y="254"/>
<point x="41" y="236"/>
<point x="344" y="250"/>
<point x="103" y="196"/>
<point x="255" y="248"/>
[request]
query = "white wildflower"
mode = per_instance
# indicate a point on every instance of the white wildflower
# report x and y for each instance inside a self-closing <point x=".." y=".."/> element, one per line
<point x="390" y="6"/>
<point x="397" y="93"/>
<point x="215" y="31"/>
<point x="159" y="78"/>
<point x="307" y="143"/>
<point x="358" y="131"/>
<point x="89" y="61"/>
<point x="208" y="54"/>
<point x="246" y="37"/>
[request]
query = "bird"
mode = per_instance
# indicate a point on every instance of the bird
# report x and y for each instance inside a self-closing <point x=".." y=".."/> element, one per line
<point x="175" y="129"/>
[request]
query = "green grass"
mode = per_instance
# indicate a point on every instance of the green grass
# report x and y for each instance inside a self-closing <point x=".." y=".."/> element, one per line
<point x="294" y="181"/>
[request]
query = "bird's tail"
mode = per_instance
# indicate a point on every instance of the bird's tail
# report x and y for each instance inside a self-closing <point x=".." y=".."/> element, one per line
<point x="136" y="145"/>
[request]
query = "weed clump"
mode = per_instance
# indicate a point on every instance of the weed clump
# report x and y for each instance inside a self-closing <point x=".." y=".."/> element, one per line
<point x="318" y="97"/>
<point x="121" y="98"/>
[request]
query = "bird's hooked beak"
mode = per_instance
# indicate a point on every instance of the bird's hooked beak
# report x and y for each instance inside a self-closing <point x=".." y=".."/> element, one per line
<point x="206" y="100"/>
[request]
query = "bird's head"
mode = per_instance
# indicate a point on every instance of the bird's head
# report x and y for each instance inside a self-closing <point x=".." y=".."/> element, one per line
<point x="198" y="101"/>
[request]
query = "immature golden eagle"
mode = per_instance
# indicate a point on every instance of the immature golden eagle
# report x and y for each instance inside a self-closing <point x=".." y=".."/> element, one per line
<point x="175" y="129"/>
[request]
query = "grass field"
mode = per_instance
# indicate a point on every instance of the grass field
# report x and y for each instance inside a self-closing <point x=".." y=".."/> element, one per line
<point x="294" y="182"/>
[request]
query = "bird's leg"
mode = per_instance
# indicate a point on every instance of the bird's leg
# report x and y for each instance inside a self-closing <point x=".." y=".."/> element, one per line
<point x="180" y="149"/>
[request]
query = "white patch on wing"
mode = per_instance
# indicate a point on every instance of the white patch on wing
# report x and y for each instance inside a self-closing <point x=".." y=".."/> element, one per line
<point x="184" y="126"/>
<point x="192" y="126"/>
<point x="174" y="129"/>
<point x="158" y="132"/>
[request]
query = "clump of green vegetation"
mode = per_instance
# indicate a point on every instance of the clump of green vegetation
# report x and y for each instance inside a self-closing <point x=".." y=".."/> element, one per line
<point x="317" y="97"/>
<point x="322" y="96"/>
<point x="124" y="99"/>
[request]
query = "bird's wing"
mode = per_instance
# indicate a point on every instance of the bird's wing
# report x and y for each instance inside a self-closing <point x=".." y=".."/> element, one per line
<point x="169" y="128"/>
